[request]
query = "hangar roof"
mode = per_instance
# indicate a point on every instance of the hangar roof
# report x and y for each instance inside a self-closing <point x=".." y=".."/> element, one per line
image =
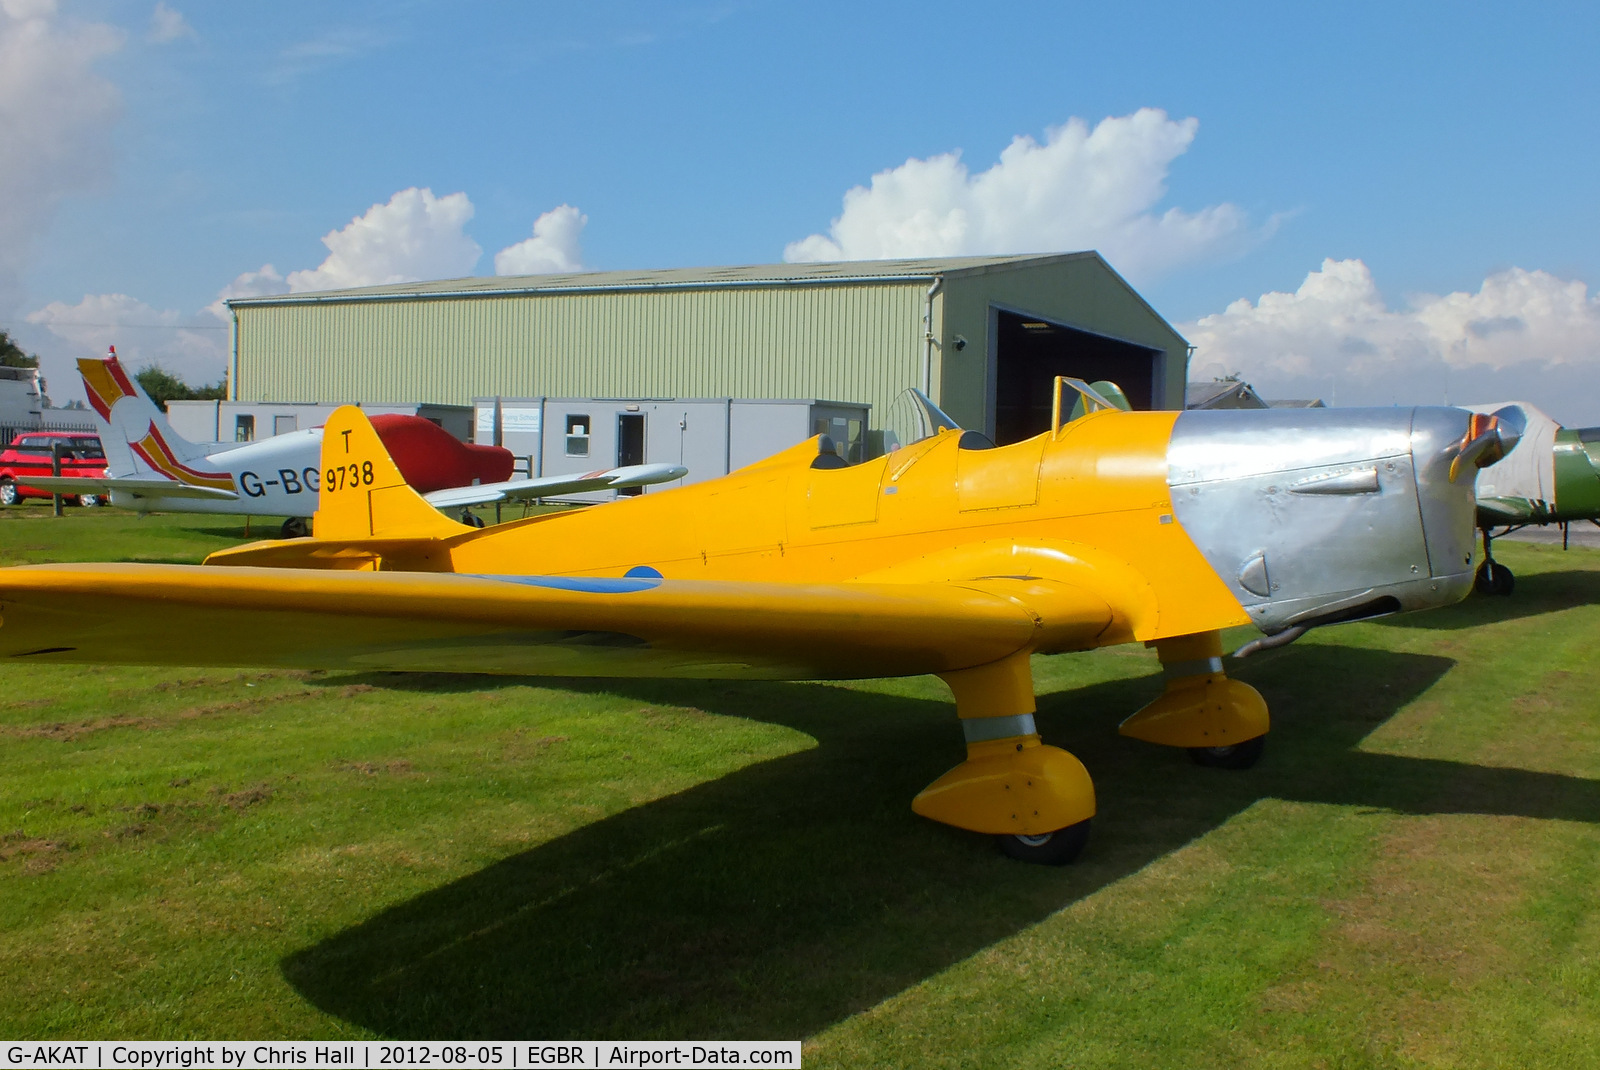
<point x="1223" y="394"/>
<point x="683" y="278"/>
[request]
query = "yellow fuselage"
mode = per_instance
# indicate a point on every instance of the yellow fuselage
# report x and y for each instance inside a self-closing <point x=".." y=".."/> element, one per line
<point x="1089" y="506"/>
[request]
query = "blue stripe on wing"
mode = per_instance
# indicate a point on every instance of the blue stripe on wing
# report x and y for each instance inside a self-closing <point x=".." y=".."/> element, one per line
<point x="584" y="584"/>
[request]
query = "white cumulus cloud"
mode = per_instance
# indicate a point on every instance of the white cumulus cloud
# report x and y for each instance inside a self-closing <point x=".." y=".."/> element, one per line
<point x="414" y="236"/>
<point x="1080" y="189"/>
<point x="28" y="9"/>
<point x="1524" y="334"/>
<point x="192" y="347"/>
<point x="56" y="114"/>
<point x="554" y="246"/>
<point x="168" y="24"/>
<point x="261" y="283"/>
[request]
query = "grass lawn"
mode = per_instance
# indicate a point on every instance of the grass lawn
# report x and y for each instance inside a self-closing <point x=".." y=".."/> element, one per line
<point x="1407" y="879"/>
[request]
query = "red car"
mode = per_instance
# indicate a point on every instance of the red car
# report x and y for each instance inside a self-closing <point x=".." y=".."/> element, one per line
<point x="30" y="454"/>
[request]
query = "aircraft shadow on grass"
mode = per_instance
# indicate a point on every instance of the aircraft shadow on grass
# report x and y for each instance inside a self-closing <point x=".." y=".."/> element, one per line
<point x="793" y="893"/>
<point x="1537" y="593"/>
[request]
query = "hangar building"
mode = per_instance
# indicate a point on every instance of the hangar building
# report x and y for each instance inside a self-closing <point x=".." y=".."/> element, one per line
<point x="983" y="336"/>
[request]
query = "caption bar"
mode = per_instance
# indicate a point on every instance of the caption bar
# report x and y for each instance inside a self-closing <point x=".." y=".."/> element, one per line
<point x="503" y="1055"/>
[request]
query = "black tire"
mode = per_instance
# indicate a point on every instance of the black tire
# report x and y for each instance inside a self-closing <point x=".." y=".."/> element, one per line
<point x="1493" y="578"/>
<point x="8" y="493"/>
<point x="1239" y="756"/>
<point x="296" y="527"/>
<point x="1504" y="581"/>
<point x="91" y="501"/>
<point x="471" y="519"/>
<point x="1051" y="849"/>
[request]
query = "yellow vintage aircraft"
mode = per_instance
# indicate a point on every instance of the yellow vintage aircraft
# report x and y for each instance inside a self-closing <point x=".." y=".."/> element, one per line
<point x="948" y="556"/>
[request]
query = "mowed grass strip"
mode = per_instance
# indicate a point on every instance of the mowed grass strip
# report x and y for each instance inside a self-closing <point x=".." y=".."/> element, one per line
<point x="1412" y="883"/>
<point x="31" y="535"/>
<point x="1406" y="879"/>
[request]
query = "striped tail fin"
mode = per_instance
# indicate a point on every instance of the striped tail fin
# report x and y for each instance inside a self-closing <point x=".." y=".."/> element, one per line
<point x="139" y="441"/>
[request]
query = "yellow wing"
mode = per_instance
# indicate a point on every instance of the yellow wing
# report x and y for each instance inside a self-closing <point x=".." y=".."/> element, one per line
<point x="542" y="625"/>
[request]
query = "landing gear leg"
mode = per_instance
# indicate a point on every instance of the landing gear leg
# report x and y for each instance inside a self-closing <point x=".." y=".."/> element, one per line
<point x="1222" y="723"/>
<point x="1492" y="576"/>
<point x="1035" y="798"/>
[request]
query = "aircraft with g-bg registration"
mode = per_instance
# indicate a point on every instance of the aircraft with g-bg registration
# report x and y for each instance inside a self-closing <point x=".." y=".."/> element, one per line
<point x="151" y="468"/>
<point x="948" y="556"/>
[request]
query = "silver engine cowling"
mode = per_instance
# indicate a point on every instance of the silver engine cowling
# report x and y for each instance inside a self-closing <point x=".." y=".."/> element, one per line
<point x="1314" y="516"/>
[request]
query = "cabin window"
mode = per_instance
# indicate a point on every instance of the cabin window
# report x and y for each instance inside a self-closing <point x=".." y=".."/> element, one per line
<point x="577" y="435"/>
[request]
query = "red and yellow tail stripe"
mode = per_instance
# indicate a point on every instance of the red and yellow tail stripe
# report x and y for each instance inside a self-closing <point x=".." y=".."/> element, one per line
<point x="105" y="382"/>
<point x="158" y="455"/>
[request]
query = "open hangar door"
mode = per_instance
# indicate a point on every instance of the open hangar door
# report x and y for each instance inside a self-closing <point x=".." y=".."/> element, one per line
<point x="1030" y="351"/>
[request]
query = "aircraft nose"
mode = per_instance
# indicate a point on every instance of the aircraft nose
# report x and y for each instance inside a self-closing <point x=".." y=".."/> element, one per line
<point x="1317" y="516"/>
<point x="1448" y="447"/>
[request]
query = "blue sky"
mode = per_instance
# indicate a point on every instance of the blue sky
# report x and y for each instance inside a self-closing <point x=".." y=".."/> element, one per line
<point x="1443" y="159"/>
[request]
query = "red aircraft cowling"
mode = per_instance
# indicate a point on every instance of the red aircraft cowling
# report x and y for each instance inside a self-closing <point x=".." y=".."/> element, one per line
<point x="431" y="458"/>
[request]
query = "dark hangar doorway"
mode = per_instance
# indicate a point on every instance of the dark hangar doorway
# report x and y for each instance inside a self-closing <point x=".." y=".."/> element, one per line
<point x="1031" y="351"/>
<point x="630" y="445"/>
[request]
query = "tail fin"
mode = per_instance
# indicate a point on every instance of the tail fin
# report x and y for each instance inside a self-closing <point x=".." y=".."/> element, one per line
<point x="107" y="384"/>
<point x="139" y="441"/>
<point x="363" y="494"/>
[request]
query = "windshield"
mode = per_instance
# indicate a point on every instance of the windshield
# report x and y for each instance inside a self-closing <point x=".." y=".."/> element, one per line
<point x="914" y="417"/>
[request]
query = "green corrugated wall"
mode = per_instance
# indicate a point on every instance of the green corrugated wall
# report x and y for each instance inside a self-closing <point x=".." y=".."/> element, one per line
<point x="856" y="342"/>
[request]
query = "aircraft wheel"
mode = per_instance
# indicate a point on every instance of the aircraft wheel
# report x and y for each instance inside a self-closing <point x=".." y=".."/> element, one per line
<point x="1239" y="756"/>
<point x="471" y="519"/>
<point x="91" y="501"/>
<point x="1493" y="578"/>
<point x="296" y="527"/>
<point x="1049" y="849"/>
<point x="8" y="493"/>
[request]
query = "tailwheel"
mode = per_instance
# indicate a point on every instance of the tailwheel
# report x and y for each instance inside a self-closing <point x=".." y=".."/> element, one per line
<point x="1239" y="756"/>
<point x="1049" y="848"/>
